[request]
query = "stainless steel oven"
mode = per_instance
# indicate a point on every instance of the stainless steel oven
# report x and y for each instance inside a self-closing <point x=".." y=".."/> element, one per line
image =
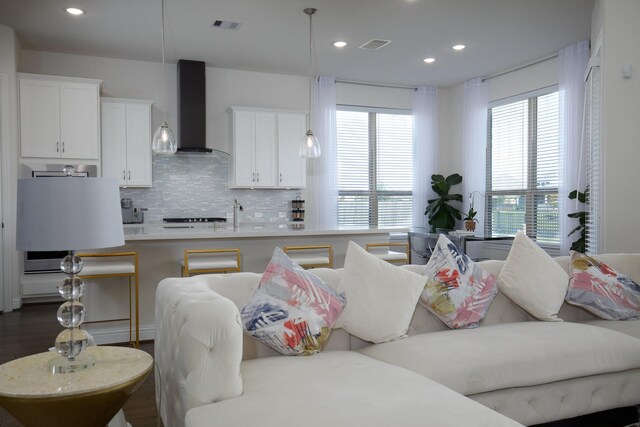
<point x="49" y="261"/>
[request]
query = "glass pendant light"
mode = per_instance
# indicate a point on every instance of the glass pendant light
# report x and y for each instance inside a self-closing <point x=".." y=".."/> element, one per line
<point x="164" y="141"/>
<point x="310" y="147"/>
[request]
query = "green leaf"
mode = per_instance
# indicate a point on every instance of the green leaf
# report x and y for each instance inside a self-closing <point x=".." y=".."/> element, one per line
<point x="454" y="179"/>
<point x="437" y="178"/>
<point x="573" y="194"/>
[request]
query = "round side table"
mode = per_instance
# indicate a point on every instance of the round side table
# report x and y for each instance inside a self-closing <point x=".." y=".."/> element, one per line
<point x="91" y="397"/>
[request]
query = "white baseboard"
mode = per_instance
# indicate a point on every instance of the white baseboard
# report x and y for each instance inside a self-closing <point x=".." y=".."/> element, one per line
<point x="115" y="335"/>
<point x="16" y="304"/>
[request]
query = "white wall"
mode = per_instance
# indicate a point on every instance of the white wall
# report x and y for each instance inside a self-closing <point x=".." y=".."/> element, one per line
<point x="618" y="22"/>
<point x="9" y="50"/>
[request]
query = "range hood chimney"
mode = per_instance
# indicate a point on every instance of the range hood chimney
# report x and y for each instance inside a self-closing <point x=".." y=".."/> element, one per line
<point x="192" y="129"/>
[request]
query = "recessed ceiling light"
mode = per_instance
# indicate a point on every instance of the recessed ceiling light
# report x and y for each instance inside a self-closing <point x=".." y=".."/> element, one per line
<point x="339" y="44"/>
<point x="429" y="60"/>
<point x="458" y="47"/>
<point x="74" y="11"/>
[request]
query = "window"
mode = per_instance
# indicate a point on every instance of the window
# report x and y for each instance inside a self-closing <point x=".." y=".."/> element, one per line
<point x="375" y="167"/>
<point x="522" y="167"/>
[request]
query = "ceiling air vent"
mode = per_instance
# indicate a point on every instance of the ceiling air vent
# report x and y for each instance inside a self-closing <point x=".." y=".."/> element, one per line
<point x="375" y="44"/>
<point x="225" y="25"/>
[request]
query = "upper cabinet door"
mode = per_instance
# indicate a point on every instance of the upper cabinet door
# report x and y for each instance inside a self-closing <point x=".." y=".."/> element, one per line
<point x="139" y="145"/>
<point x="79" y="120"/>
<point x="265" y="149"/>
<point x="59" y="117"/>
<point x="114" y="141"/>
<point x="243" y="148"/>
<point x="39" y="118"/>
<point x="292" y="170"/>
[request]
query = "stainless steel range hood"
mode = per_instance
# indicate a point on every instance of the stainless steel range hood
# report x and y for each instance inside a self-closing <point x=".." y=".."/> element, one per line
<point x="192" y="126"/>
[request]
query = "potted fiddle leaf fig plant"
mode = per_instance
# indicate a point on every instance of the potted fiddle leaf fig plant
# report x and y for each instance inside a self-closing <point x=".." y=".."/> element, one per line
<point x="441" y="212"/>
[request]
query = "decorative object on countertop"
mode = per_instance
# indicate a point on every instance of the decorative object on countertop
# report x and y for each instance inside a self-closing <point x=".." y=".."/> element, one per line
<point x="69" y="213"/>
<point x="310" y="147"/>
<point x="439" y="210"/>
<point x="580" y="245"/>
<point x="205" y="261"/>
<point x="164" y="140"/>
<point x="311" y="256"/>
<point x="297" y="209"/>
<point x="116" y="265"/>
<point x="470" y="217"/>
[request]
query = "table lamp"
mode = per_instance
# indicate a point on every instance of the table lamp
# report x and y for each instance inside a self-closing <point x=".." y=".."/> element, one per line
<point x="69" y="214"/>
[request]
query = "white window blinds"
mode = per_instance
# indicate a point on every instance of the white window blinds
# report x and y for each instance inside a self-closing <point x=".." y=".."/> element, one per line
<point x="375" y="168"/>
<point x="522" y="168"/>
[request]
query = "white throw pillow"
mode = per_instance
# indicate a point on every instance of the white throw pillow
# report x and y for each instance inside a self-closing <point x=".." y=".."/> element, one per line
<point x="533" y="280"/>
<point x="381" y="297"/>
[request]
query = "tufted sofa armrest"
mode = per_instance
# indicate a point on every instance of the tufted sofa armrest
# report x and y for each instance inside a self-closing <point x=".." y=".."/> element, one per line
<point x="198" y="347"/>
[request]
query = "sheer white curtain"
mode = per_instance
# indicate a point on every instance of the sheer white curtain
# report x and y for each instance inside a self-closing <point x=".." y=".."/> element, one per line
<point x="474" y="146"/>
<point x="425" y="149"/>
<point x="573" y="62"/>
<point x="322" y="185"/>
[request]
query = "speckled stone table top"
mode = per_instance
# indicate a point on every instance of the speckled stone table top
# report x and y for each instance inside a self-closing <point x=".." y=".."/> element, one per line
<point x="29" y="377"/>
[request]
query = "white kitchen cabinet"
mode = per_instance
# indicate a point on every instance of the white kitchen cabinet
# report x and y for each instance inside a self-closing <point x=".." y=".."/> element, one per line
<point x="126" y="141"/>
<point x="266" y="149"/>
<point x="292" y="169"/>
<point x="59" y="117"/>
<point x="254" y="149"/>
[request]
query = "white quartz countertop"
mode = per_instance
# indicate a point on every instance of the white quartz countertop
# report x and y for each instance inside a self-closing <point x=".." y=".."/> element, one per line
<point x="181" y="231"/>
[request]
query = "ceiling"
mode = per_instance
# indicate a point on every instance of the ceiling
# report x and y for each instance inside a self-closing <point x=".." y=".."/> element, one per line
<point x="273" y="36"/>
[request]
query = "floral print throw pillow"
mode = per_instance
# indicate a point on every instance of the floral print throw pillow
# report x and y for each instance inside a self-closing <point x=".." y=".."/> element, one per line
<point x="291" y="310"/>
<point x="600" y="289"/>
<point x="457" y="291"/>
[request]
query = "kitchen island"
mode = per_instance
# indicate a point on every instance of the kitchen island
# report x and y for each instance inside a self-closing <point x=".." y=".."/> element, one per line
<point x="161" y="246"/>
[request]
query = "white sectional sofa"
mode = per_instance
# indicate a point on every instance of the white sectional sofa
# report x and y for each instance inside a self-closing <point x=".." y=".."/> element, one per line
<point x="511" y="370"/>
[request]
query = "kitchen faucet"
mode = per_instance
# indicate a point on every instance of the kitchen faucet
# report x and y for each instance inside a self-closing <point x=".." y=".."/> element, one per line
<point x="236" y="206"/>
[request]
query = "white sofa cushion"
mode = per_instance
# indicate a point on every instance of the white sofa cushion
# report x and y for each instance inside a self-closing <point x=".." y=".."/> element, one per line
<point x="381" y="297"/>
<point x="521" y="354"/>
<point x="629" y="327"/>
<point x="533" y="280"/>
<point x="341" y="389"/>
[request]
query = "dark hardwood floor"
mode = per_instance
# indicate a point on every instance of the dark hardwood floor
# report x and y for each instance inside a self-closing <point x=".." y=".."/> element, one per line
<point x="34" y="328"/>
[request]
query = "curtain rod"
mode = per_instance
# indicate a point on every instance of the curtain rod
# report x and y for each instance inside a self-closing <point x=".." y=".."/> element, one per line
<point x="355" y="82"/>
<point x="520" y="67"/>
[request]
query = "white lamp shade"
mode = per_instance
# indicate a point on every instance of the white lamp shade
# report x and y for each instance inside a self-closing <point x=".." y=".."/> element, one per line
<point x="68" y="213"/>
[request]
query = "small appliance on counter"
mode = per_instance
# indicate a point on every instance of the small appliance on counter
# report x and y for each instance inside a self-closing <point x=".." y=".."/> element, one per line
<point x="131" y="215"/>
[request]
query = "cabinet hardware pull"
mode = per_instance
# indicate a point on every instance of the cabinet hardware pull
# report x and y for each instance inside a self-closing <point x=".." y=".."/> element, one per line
<point x="258" y="176"/>
<point x="280" y="177"/>
<point x="253" y="177"/>
<point x="63" y="146"/>
<point x="57" y="146"/>
<point x="129" y="175"/>
<point x="124" y="175"/>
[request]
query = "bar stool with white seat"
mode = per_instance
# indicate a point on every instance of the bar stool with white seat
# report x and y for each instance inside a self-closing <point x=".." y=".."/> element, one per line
<point x="112" y="265"/>
<point x="205" y="261"/>
<point x="311" y="256"/>
<point x="384" y="252"/>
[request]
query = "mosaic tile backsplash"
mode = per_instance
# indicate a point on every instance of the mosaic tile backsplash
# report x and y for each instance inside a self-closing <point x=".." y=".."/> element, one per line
<point x="196" y="185"/>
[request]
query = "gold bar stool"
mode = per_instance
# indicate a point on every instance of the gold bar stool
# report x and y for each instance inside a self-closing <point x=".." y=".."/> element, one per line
<point x="202" y="261"/>
<point x="311" y="256"/>
<point x="114" y="266"/>
<point x="394" y="257"/>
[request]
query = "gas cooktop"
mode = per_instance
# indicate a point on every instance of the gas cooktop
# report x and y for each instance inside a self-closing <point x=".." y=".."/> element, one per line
<point x="195" y="219"/>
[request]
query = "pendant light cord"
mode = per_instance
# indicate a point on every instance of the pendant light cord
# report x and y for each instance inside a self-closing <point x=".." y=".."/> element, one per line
<point x="164" y="96"/>
<point x="310" y="64"/>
